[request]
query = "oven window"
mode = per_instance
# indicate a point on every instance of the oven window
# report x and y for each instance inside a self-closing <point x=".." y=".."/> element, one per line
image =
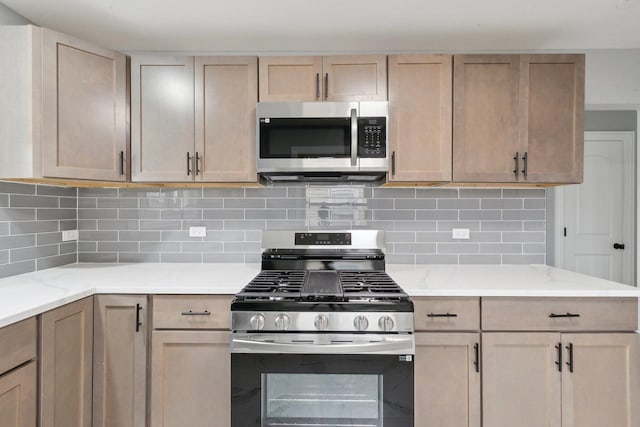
<point x="327" y="400"/>
<point x="305" y="138"/>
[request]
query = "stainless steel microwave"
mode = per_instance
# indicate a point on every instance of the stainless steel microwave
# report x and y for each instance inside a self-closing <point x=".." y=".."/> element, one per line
<point x="322" y="140"/>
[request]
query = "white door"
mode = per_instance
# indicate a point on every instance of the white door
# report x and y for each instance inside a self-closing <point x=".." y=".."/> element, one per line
<point x="594" y="216"/>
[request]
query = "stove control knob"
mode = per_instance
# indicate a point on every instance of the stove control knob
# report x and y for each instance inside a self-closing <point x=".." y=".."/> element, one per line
<point x="321" y="322"/>
<point x="386" y="323"/>
<point x="361" y="323"/>
<point x="282" y="322"/>
<point x="257" y="322"/>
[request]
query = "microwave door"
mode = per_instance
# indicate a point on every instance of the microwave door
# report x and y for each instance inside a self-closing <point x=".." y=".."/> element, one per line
<point x="306" y="138"/>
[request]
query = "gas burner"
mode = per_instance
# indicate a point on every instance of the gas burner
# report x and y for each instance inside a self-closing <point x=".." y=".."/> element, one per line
<point x="275" y="284"/>
<point x="369" y="284"/>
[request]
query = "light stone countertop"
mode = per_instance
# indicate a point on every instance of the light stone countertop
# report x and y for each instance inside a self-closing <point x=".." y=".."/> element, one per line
<point x="34" y="293"/>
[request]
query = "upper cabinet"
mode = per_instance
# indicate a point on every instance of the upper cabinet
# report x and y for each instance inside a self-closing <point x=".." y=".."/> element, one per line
<point x="63" y="109"/>
<point x="518" y="118"/>
<point x="193" y="119"/>
<point x="328" y="78"/>
<point x="84" y="109"/>
<point x="226" y="97"/>
<point x="162" y="118"/>
<point x="552" y="117"/>
<point x="420" y="118"/>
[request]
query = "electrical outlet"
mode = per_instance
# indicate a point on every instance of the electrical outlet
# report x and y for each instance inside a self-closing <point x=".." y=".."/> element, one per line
<point x="460" y="233"/>
<point x="68" y="235"/>
<point x="197" y="231"/>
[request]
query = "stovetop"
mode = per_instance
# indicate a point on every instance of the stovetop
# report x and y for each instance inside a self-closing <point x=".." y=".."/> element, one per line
<point x="322" y="290"/>
<point x="322" y="286"/>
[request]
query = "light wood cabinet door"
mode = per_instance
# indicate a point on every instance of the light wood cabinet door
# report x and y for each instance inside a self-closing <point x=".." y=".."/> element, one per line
<point x="18" y="397"/>
<point x="355" y="78"/>
<point x="226" y="90"/>
<point x="552" y="117"/>
<point x="447" y="382"/>
<point x="120" y="361"/>
<point x="84" y="109"/>
<point x="66" y="346"/>
<point x="19" y="344"/>
<point x="485" y="118"/>
<point x="162" y="119"/>
<point x="420" y="100"/>
<point x="290" y="78"/>
<point x="190" y="379"/>
<point x="521" y="383"/>
<point x="604" y="387"/>
<point x="329" y="78"/>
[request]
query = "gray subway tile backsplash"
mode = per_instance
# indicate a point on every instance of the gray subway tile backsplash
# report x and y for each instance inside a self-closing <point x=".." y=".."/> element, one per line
<point x="151" y="224"/>
<point x="32" y="218"/>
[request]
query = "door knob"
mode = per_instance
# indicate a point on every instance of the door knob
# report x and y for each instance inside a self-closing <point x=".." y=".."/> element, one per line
<point x="618" y="246"/>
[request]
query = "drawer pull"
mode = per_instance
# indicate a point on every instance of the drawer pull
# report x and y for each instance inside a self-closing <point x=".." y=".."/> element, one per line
<point x="442" y="315"/>
<point x="555" y="316"/>
<point x="196" y="313"/>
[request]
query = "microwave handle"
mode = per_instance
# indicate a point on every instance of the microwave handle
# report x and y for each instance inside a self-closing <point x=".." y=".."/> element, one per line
<point x="354" y="137"/>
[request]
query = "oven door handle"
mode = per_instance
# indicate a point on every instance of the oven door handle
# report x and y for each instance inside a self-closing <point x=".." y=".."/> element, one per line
<point x="400" y="344"/>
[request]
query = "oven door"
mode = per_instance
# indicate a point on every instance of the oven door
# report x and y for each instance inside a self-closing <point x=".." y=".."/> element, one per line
<point x="287" y="384"/>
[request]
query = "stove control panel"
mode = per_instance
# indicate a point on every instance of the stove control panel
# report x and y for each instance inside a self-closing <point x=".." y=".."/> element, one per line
<point x="319" y="239"/>
<point x="325" y="321"/>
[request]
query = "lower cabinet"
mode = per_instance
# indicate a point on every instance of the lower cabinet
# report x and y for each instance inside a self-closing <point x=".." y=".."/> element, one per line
<point x="66" y="355"/>
<point x="190" y="379"/>
<point x="18" y="374"/>
<point x="18" y="397"/>
<point x="553" y="379"/>
<point x="120" y="361"/>
<point x="190" y="361"/>
<point x="447" y="380"/>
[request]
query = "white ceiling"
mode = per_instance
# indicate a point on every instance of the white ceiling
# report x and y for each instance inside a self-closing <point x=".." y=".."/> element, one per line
<point x="341" y="25"/>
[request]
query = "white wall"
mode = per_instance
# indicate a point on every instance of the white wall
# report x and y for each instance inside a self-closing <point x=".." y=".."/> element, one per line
<point x="9" y="17"/>
<point x="613" y="78"/>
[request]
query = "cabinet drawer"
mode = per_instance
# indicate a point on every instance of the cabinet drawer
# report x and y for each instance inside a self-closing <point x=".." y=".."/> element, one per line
<point x="18" y="344"/>
<point x="559" y="314"/>
<point x="192" y="311"/>
<point x="446" y="313"/>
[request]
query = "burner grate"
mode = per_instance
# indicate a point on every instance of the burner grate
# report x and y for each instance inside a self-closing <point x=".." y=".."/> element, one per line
<point x="369" y="284"/>
<point x="275" y="283"/>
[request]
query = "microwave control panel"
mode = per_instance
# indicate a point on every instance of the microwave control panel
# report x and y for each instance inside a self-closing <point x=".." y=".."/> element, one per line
<point x="372" y="137"/>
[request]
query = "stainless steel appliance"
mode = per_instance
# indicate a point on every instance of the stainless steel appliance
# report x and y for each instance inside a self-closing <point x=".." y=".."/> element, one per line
<point x="309" y="141"/>
<point x="322" y="336"/>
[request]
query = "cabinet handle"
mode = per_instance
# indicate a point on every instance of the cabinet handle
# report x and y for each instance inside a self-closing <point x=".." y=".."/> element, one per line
<point x="525" y="159"/>
<point x="442" y="315"/>
<point x="516" y="171"/>
<point x="393" y="163"/>
<point x="138" y="323"/>
<point x="570" y="352"/>
<point x="188" y="164"/>
<point x="196" y="313"/>
<point x="122" y="163"/>
<point x="318" y="86"/>
<point x="197" y="163"/>
<point x="556" y="316"/>
<point x="326" y="86"/>
<point x="476" y="355"/>
<point x="559" y="361"/>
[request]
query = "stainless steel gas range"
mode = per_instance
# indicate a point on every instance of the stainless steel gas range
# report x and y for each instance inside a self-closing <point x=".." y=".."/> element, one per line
<point x="322" y="336"/>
